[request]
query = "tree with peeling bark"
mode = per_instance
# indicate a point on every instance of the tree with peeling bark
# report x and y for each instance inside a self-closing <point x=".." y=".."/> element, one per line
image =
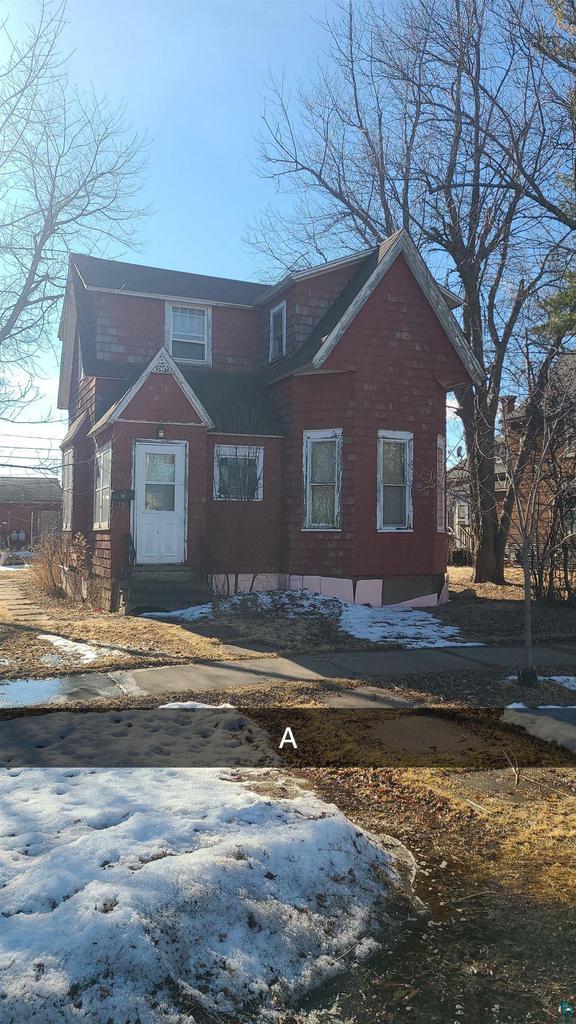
<point x="70" y="173"/>
<point x="403" y="128"/>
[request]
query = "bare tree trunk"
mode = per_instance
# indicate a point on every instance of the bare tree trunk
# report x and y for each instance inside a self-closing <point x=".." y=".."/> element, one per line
<point x="527" y="675"/>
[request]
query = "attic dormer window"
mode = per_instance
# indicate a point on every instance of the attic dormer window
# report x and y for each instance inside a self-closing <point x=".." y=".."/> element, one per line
<point x="188" y="333"/>
<point x="277" y="332"/>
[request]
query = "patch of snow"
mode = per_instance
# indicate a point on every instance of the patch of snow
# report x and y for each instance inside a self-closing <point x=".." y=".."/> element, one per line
<point x="154" y="893"/>
<point x="405" y="627"/>
<point x="194" y="705"/>
<point x="568" y="681"/>
<point x="551" y="722"/>
<point x="85" y="653"/>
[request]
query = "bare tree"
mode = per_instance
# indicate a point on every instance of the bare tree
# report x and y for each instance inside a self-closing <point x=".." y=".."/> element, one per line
<point x="70" y="171"/>
<point x="544" y="495"/>
<point x="403" y="128"/>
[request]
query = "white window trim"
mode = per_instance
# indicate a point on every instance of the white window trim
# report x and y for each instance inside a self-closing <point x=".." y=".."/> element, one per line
<point x="280" y="307"/>
<point x="100" y="523"/>
<point x="441" y="485"/>
<point x="231" y="450"/>
<point x="168" y="306"/>
<point x="67" y="487"/>
<point x="309" y="436"/>
<point x="408" y="438"/>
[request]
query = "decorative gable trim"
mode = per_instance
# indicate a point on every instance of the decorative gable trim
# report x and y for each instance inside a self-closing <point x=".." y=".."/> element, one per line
<point x="401" y="244"/>
<point x="162" y="362"/>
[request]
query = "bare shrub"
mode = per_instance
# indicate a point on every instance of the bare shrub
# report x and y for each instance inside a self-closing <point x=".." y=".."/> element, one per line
<point x="47" y="562"/>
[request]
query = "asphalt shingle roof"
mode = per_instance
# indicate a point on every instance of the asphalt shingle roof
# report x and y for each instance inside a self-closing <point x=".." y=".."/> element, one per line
<point x="236" y="402"/>
<point x="132" y="277"/>
<point x="28" y="490"/>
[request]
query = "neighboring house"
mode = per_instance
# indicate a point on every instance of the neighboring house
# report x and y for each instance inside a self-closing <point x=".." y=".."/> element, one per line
<point x="460" y="516"/>
<point x="28" y="507"/>
<point x="264" y="436"/>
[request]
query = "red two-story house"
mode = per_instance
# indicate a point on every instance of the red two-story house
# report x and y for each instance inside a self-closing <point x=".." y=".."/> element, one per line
<point x="258" y="437"/>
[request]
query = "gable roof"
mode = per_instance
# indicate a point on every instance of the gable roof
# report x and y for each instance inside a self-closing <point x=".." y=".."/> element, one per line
<point x="230" y="403"/>
<point x="338" y="317"/>
<point x="162" y="362"/>
<point x="132" y="278"/>
<point x="29" y="490"/>
<point x="398" y="244"/>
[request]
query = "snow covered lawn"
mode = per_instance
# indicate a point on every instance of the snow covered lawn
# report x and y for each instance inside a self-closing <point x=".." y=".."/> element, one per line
<point x="402" y="627"/>
<point x="171" y="895"/>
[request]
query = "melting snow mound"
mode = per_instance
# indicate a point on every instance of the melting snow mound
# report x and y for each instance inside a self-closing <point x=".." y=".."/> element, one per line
<point x="403" y="627"/>
<point x="164" y="895"/>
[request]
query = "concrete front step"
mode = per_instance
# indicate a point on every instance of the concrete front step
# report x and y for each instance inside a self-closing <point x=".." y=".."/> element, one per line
<point x="166" y="587"/>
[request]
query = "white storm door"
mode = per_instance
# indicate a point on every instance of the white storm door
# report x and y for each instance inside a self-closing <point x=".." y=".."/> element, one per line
<point x="160" y="501"/>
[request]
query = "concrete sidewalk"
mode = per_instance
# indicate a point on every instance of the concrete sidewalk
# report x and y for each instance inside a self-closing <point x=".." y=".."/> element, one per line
<point x="350" y="665"/>
<point x="321" y="670"/>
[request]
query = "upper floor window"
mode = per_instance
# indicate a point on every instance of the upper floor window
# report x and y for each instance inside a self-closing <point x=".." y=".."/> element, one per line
<point x="277" y="347"/>
<point x="102" y="488"/>
<point x="395" y="472"/>
<point x="322" y="478"/>
<point x="238" y="472"/>
<point x="67" y="483"/>
<point x="189" y="333"/>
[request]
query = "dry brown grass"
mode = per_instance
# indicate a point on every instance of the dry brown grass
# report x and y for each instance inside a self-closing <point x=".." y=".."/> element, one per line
<point x="494" y="613"/>
<point x="496" y="871"/>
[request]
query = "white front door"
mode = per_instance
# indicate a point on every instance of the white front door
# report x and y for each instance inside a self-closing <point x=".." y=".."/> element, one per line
<point x="160" y="501"/>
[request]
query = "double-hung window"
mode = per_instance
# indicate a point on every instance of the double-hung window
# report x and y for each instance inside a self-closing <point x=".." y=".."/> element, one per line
<point x="67" y="484"/>
<point x="188" y="333"/>
<point x="395" y="473"/>
<point x="322" y="479"/>
<point x="102" y="488"/>
<point x="238" y="473"/>
<point x="277" y="346"/>
<point x="440" y="484"/>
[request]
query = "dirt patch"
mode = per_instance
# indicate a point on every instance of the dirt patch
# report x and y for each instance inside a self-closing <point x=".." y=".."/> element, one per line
<point x="493" y="613"/>
<point x="496" y="870"/>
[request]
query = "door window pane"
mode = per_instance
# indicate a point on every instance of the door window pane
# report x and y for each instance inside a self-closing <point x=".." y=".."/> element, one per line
<point x="159" y="468"/>
<point x="159" y="497"/>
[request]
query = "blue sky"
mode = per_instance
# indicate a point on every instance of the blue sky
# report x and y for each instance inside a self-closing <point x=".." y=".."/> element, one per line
<point x="193" y="76"/>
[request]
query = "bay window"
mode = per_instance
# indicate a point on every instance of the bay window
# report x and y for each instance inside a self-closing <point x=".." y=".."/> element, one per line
<point x="322" y="479"/>
<point x="394" y="476"/>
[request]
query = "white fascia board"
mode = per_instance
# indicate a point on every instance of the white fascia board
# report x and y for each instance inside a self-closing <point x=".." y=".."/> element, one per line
<point x="404" y="245"/>
<point x="303" y="275"/>
<point x="162" y="362"/>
